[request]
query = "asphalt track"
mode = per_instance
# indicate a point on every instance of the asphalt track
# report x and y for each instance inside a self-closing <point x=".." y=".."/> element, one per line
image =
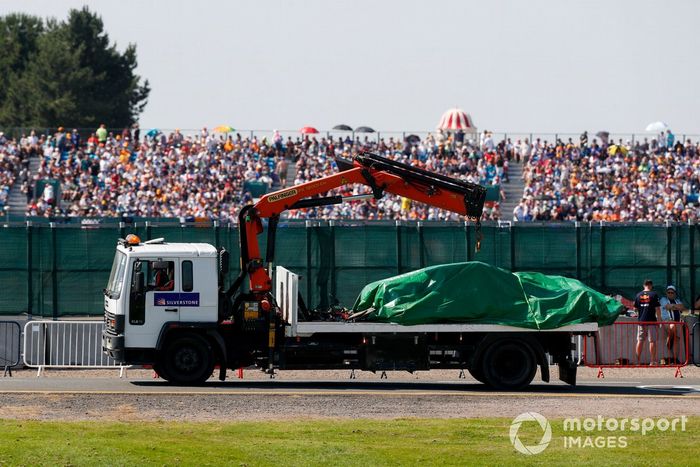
<point x="144" y="398"/>
<point x="648" y="387"/>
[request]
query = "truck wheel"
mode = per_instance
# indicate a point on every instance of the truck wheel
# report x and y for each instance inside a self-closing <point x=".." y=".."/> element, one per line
<point x="477" y="373"/>
<point x="188" y="360"/>
<point x="509" y="364"/>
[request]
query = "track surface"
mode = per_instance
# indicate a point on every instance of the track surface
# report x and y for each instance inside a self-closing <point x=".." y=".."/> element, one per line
<point x="68" y="396"/>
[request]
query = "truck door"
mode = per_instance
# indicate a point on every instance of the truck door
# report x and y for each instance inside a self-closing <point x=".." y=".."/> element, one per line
<point x="154" y="304"/>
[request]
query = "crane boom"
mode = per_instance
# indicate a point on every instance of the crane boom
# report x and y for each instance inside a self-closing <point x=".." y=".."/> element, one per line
<point x="382" y="175"/>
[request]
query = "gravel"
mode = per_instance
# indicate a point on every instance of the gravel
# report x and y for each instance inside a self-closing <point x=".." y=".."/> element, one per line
<point x="332" y="395"/>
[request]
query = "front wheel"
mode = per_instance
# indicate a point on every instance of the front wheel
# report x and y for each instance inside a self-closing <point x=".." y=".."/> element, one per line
<point x="188" y="359"/>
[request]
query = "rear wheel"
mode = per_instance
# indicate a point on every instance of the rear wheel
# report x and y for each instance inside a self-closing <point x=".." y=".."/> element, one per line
<point x="477" y="372"/>
<point x="187" y="360"/>
<point x="509" y="364"/>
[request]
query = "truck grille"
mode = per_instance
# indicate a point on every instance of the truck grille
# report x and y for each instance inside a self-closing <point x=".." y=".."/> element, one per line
<point x="114" y="324"/>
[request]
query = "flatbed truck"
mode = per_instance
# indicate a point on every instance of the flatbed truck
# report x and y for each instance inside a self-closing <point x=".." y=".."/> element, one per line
<point x="166" y="304"/>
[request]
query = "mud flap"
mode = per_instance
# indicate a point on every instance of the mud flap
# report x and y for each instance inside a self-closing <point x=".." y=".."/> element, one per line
<point x="567" y="371"/>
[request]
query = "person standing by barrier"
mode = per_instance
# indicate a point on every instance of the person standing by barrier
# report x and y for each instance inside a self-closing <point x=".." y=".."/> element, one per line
<point x="671" y="308"/>
<point x="649" y="310"/>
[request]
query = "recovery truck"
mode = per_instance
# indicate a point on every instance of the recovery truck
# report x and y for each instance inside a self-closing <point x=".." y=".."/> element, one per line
<point x="166" y="304"/>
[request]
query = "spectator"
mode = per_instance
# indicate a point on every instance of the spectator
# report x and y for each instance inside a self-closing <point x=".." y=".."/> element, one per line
<point x="649" y="310"/>
<point x="101" y="134"/>
<point x="671" y="308"/>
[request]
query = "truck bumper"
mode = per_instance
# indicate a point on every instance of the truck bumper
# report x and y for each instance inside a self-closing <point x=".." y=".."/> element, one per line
<point x="113" y="346"/>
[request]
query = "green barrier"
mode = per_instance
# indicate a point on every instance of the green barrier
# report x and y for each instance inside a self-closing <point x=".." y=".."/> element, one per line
<point x="53" y="270"/>
<point x="256" y="189"/>
<point x="493" y="193"/>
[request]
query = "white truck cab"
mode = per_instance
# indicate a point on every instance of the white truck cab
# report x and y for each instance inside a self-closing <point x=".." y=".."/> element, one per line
<point x="153" y="284"/>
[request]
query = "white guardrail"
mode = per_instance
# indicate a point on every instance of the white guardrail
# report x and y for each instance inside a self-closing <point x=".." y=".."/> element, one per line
<point x="66" y="344"/>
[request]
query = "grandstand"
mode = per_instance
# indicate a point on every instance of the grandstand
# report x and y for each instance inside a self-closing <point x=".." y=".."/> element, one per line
<point x="211" y="175"/>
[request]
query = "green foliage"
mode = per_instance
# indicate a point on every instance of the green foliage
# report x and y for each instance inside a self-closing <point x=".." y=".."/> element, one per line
<point x="66" y="73"/>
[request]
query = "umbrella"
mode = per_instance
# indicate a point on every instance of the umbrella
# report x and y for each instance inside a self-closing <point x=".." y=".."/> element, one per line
<point x="152" y="132"/>
<point x="364" y="129"/>
<point x="223" y="129"/>
<point x="456" y="119"/>
<point x="342" y="127"/>
<point x="615" y="148"/>
<point x="603" y="135"/>
<point x="413" y="139"/>
<point x="657" y="127"/>
<point x="307" y="130"/>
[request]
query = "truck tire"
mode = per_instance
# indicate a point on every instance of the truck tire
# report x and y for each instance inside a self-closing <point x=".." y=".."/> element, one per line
<point x="477" y="373"/>
<point x="509" y="364"/>
<point x="188" y="360"/>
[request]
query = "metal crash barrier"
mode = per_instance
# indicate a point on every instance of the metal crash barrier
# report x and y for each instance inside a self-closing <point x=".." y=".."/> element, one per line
<point x="615" y="346"/>
<point x="66" y="344"/>
<point x="10" y="338"/>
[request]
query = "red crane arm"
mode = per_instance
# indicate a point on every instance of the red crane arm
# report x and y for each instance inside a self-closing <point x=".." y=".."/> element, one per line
<point x="382" y="175"/>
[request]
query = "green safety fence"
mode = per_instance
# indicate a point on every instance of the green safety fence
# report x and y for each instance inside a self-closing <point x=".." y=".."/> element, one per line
<point x="53" y="270"/>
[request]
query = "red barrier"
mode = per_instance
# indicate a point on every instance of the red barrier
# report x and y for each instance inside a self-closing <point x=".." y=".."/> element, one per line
<point x="639" y="344"/>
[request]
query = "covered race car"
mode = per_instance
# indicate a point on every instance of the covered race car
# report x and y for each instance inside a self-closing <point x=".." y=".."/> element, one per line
<point x="478" y="293"/>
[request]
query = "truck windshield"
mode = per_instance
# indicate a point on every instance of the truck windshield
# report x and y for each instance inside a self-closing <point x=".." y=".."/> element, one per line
<point x="116" y="277"/>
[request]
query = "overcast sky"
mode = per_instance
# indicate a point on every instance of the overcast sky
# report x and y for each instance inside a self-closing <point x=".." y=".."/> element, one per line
<point x="516" y="66"/>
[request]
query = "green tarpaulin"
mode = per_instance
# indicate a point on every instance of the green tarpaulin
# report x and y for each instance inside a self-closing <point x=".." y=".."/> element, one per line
<point x="479" y="293"/>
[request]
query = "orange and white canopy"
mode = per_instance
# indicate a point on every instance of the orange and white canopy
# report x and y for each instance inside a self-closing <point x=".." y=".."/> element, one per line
<point x="456" y="119"/>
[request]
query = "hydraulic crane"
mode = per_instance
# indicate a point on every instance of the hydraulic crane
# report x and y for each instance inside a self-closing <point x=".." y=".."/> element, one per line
<point x="382" y="175"/>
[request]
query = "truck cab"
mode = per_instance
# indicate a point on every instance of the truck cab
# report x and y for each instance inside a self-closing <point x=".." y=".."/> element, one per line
<point x="153" y="286"/>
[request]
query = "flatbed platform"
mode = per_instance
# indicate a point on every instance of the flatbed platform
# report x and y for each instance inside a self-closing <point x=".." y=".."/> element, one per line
<point x="308" y="328"/>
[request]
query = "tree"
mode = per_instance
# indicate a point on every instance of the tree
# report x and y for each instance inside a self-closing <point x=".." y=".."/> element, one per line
<point x="18" y="41"/>
<point x="74" y="77"/>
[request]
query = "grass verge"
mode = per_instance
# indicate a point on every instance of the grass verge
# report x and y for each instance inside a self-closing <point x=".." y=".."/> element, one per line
<point x="331" y="442"/>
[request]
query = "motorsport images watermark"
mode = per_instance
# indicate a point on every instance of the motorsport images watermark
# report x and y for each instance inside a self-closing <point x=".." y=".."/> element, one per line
<point x="599" y="432"/>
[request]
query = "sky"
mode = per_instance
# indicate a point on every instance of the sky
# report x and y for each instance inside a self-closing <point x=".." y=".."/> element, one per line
<point x="543" y="66"/>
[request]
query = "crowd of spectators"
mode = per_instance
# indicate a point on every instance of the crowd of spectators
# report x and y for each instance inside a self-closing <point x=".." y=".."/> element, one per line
<point x="207" y="175"/>
<point x="210" y="175"/>
<point x="652" y="180"/>
<point x="197" y="176"/>
<point x="438" y="153"/>
<point x="14" y="162"/>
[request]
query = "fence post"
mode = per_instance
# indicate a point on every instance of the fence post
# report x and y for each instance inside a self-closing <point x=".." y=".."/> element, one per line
<point x="421" y="246"/>
<point x="334" y="285"/>
<point x="468" y="239"/>
<point x="691" y="258"/>
<point x="577" y="227"/>
<point x="30" y="285"/>
<point x="308" y="264"/>
<point x="511" y="234"/>
<point x="669" y="241"/>
<point x="602" y="255"/>
<point x="398" y="247"/>
<point x="217" y="239"/>
<point x="679" y="266"/>
<point x="54" y="269"/>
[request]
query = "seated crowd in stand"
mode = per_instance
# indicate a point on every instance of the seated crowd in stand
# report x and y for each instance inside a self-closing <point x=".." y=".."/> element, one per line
<point x="207" y="175"/>
<point x="655" y="181"/>
<point x="14" y="162"/>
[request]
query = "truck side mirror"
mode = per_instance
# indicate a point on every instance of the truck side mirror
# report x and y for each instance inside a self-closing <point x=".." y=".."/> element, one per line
<point x="138" y="284"/>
